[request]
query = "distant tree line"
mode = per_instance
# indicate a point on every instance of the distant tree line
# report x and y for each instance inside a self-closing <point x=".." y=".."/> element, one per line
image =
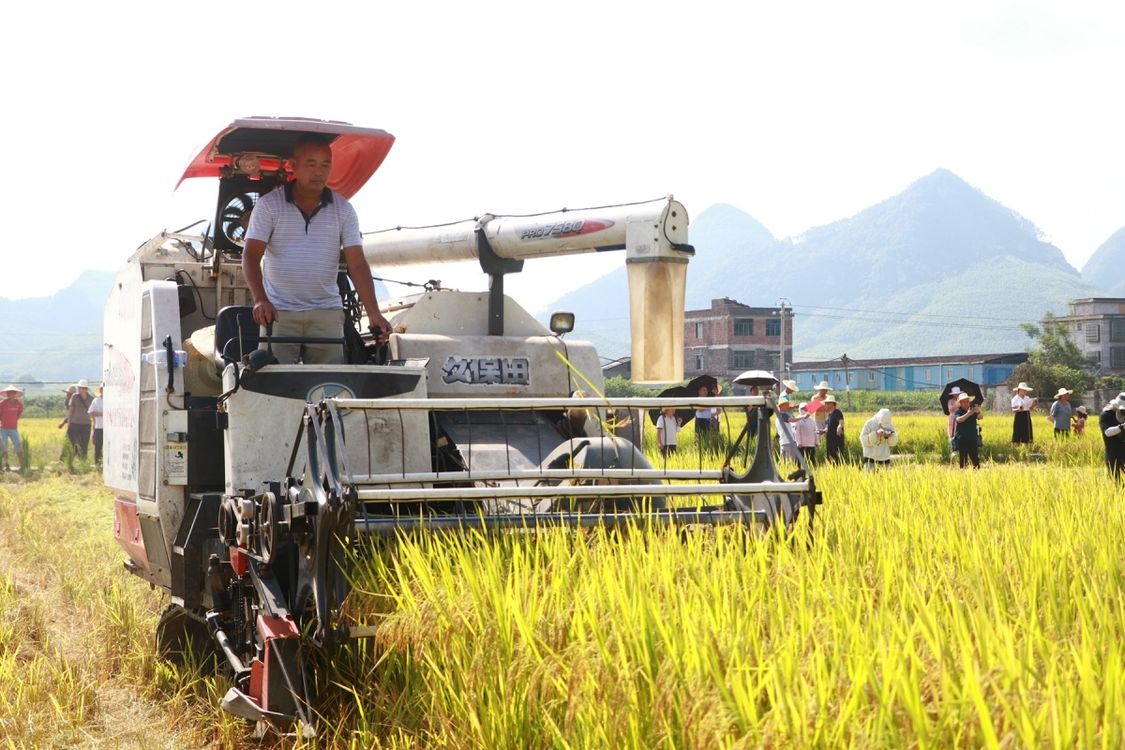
<point x="45" y="406"/>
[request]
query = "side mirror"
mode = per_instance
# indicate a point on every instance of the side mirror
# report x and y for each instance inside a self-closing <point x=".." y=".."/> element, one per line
<point x="562" y="322"/>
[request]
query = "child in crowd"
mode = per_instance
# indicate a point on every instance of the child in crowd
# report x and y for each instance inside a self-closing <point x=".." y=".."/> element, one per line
<point x="667" y="428"/>
<point x="1079" y="418"/>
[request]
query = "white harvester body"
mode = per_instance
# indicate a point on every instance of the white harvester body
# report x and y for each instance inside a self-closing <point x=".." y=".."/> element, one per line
<point x="238" y="481"/>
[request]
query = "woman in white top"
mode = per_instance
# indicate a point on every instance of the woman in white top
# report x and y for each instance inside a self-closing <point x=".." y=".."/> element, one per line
<point x="806" y="433"/>
<point x="1022" y="404"/>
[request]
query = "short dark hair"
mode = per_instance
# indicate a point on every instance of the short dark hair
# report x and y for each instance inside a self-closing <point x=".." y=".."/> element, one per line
<point x="311" y="139"/>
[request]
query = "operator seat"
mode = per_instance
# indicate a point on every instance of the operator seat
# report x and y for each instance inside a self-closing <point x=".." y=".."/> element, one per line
<point x="236" y="333"/>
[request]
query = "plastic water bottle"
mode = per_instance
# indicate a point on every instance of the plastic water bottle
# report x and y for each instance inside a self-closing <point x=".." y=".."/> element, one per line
<point x="160" y="358"/>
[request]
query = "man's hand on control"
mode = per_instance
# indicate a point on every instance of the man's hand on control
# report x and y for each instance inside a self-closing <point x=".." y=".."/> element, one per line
<point x="379" y="326"/>
<point x="264" y="313"/>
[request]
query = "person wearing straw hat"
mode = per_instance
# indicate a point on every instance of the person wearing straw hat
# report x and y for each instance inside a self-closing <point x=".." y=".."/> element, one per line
<point x="804" y="430"/>
<point x="965" y="439"/>
<point x="820" y="415"/>
<point x="1022" y="404"/>
<point x="11" y="407"/>
<point x="1061" y="412"/>
<point x="78" y="418"/>
<point x="1111" y="423"/>
<point x="786" y="439"/>
<point x="833" y="430"/>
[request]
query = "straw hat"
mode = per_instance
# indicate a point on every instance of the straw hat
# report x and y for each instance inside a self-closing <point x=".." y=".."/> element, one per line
<point x="790" y="384"/>
<point x="1063" y="392"/>
<point x="954" y="390"/>
<point x="822" y="386"/>
<point x="11" y="389"/>
<point x="1024" y="387"/>
<point x="830" y="399"/>
<point x="784" y="401"/>
<point x="1081" y="410"/>
<point x="83" y="383"/>
<point x="964" y="397"/>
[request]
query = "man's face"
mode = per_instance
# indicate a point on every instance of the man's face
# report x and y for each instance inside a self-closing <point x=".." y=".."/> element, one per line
<point x="1064" y="398"/>
<point x="311" y="166"/>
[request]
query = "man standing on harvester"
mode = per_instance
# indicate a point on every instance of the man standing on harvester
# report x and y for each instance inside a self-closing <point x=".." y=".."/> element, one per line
<point x="298" y="230"/>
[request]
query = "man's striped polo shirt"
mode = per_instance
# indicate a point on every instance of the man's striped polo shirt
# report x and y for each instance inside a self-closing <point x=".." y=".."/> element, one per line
<point x="302" y="256"/>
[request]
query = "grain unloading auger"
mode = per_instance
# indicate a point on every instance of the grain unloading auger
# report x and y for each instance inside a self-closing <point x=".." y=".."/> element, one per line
<point x="239" y="487"/>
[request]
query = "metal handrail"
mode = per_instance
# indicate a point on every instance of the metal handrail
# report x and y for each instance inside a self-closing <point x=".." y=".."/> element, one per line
<point x="409" y="494"/>
<point x="518" y="402"/>
<point x="534" y="474"/>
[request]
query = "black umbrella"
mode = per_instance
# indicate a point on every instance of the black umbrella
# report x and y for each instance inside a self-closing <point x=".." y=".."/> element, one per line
<point x="696" y="383"/>
<point x="688" y="390"/>
<point x="965" y="386"/>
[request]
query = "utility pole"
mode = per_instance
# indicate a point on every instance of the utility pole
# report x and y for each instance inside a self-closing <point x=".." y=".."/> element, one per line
<point x="847" y="380"/>
<point x="783" y="306"/>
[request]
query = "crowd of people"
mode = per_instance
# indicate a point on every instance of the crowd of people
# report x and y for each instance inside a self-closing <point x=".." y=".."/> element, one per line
<point x="82" y="420"/>
<point x="1067" y="419"/>
<point x="803" y="426"/>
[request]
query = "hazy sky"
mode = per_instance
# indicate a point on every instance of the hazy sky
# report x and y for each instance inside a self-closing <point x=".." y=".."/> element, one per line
<point x="797" y="113"/>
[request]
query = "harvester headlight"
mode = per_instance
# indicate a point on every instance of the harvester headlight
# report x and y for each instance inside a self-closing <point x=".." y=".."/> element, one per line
<point x="562" y="322"/>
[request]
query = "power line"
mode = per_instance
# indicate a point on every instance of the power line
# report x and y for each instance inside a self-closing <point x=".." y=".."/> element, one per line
<point x="913" y="314"/>
<point x="961" y="322"/>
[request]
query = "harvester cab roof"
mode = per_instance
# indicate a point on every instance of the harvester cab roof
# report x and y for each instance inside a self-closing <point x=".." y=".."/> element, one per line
<point x="251" y="156"/>
<point x="472" y="416"/>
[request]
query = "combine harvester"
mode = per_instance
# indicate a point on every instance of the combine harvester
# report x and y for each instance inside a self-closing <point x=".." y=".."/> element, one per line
<point x="240" y="484"/>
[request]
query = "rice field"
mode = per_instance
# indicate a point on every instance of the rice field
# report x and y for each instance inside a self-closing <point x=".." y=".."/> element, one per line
<point x="930" y="607"/>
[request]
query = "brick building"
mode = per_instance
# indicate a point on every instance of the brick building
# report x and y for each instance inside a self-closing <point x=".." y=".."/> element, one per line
<point x="730" y="338"/>
<point x="1097" y="326"/>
